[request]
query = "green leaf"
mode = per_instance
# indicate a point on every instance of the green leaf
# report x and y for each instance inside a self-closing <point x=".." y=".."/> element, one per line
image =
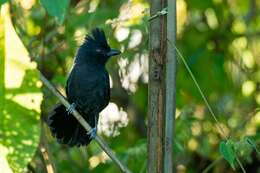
<point x="178" y="147"/>
<point x="242" y="148"/>
<point x="2" y="2"/>
<point x="56" y="8"/>
<point x="20" y="101"/>
<point x="227" y="150"/>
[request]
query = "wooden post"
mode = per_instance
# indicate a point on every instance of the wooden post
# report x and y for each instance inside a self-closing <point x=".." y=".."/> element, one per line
<point x="157" y="46"/>
<point x="170" y="86"/>
<point x="162" y="74"/>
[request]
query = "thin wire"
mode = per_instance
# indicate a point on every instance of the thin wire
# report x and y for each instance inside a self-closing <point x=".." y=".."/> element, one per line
<point x="205" y="100"/>
<point x="200" y="91"/>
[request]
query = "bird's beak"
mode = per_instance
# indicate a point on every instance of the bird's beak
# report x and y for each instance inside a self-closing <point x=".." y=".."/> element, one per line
<point x="113" y="52"/>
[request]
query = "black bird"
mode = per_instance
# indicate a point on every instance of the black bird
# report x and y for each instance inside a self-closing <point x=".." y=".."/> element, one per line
<point x="87" y="90"/>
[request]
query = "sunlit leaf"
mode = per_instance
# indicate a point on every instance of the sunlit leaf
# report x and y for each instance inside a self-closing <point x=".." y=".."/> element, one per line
<point x="56" y="8"/>
<point x="20" y="100"/>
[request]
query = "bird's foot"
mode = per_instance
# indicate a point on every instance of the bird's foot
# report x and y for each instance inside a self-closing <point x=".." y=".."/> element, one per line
<point x="93" y="133"/>
<point x="71" y="108"/>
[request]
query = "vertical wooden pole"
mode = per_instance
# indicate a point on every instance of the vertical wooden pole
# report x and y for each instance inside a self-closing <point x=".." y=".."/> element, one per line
<point x="170" y="87"/>
<point x="157" y="46"/>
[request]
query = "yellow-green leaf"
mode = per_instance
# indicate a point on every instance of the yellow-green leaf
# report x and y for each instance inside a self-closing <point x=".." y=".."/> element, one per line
<point x="20" y="100"/>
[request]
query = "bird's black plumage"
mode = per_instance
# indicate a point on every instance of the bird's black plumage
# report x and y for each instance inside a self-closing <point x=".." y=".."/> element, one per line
<point x="87" y="87"/>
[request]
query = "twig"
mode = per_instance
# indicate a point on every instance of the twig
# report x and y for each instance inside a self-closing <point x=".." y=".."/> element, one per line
<point x="240" y="164"/>
<point x="48" y="164"/>
<point x="210" y="166"/>
<point x="44" y="149"/>
<point x="82" y="121"/>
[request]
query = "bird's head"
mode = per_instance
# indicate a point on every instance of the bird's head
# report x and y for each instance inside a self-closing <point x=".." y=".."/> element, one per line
<point x="96" y="49"/>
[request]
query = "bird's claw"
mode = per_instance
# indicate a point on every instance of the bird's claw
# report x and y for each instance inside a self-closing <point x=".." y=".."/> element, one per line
<point x="92" y="133"/>
<point x="71" y="108"/>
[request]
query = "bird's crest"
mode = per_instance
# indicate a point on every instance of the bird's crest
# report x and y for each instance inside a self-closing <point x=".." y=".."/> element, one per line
<point x="97" y="38"/>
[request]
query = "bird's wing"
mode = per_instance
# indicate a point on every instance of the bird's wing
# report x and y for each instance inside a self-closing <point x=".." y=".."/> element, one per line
<point x="91" y="91"/>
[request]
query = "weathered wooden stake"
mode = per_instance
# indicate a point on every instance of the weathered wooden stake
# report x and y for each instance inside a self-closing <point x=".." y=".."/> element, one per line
<point x="161" y="104"/>
<point x="170" y="87"/>
<point x="157" y="46"/>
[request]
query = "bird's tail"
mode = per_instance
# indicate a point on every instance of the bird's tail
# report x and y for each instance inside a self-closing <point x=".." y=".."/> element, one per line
<point x="66" y="129"/>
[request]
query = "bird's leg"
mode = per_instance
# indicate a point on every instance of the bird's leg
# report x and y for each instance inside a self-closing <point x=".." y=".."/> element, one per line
<point x="71" y="108"/>
<point x="93" y="131"/>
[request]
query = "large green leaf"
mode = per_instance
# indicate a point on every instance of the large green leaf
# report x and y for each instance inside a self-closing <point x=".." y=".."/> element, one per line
<point x="56" y="8"/>
<point x="227" y="150"/>
<point x="2" y="2"/>
<point x="20" y="100"/>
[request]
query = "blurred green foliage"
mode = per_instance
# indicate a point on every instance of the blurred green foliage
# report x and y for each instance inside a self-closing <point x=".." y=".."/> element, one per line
<point x="2" y="1"/>
<point x="56" y="8"/>
<point x="220" y="40"/>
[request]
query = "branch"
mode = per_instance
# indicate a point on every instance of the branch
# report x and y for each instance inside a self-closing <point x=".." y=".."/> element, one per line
<point x="44" y="149"/>
<point x="82" y="121"/>
<point x="45" y="155"/>
<point x="210" y="166"/>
